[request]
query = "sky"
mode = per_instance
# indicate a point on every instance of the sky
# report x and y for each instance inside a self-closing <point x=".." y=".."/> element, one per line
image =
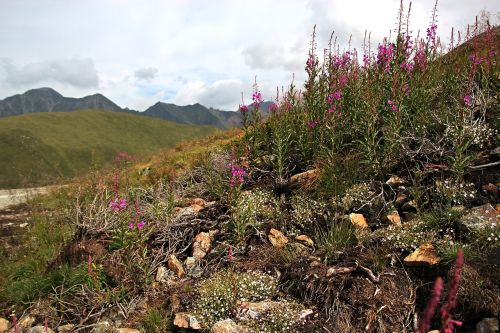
<point x="139" y="52"/>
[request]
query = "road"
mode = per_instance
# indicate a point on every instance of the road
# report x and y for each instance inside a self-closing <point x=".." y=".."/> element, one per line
<point x="20" y="195"/>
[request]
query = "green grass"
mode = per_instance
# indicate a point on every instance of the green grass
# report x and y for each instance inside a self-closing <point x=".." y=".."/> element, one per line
<point x="47" y="147"/>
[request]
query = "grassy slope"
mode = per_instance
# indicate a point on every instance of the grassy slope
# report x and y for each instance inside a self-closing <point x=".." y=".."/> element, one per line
<point x="39" y="148"/>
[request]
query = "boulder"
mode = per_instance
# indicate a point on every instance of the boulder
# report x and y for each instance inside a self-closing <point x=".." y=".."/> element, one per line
<point x="186" y="320"/>
<point x="394" y="218"/>
<point x="359" y="221"/>
<point x="175" y="266"/>
<point x="277" y="238"/>
<point x="487" y="325"/>
<point x="201" y="245"/>
<point x="304" y="239"/>
<point x="4" y="325"/>
<point x="425" y="255"/>
<point x="228" y="326"/>
<point x="479" y="218"/>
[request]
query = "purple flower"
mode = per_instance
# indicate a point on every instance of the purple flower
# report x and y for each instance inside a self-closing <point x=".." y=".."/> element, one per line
<point x="238" y="174"/>
<point x="431" y="32"/>
<point x="385" y="55"/>
<point x="343" y="80"/>
<point x="243" y="108"/>
<point x="394" y="107"/>
<point x="366" y="60"/>
<point x="140" y="225"/>
<point x="118" y="204"/>
<point x="476" y="60"/>
<point x="131" y="226"/>
<point x="311" y="61"/>
<point x="336" y="96"/>
<point x="257" y="97"/>
<point x="467" y="100"/>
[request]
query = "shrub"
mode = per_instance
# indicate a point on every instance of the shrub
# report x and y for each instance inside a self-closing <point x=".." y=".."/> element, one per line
<point x="339" y="236"/>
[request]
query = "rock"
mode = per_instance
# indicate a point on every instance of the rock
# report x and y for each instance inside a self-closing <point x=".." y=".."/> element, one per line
<point x="395" y="181"/>
<point x="359" y="221"/>
<point x="305" y="240"/>
<point x="401" y="198"/>
<point x="249" y="310"/>
<point x="394" y="218"/>
<point x="190" y="263"/>
<point x="175" y="302"/>
<point x="425" y="255"/>
<point x="277" y="238"/>
<point x="40" y="329"/>
<point x="300" y="249"/>
<point x="198" y="201"/>
<point x="25" y="323"/>
<point x="228" y="326"/>
<point x="495" y="152"/>
<point x="479" y="218"/>
<point x="201" y="245"/>
<point x="497" y="208"/>
<point x="491" y="189"/>
<point x="164" y="275"/>
<point x="126" y="330"/>
<point x="4" y="325"/>
<point x="192" y="267"/>
<point x="186" y="320"/>
<point x="102" y="327"/>
<point x="23" y="225"/>
<point x="487" y="325"/>
<point x="65" y="328"/>
<point x="175" y="265"/>
<point x="307" y="176"/>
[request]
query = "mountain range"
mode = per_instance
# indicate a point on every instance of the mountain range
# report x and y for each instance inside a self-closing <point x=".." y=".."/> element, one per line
<point x="49" y="100"/>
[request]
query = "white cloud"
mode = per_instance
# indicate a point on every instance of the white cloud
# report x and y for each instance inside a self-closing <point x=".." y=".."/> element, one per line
<point x="146" y="74"/>
<point x="223" y="94"/>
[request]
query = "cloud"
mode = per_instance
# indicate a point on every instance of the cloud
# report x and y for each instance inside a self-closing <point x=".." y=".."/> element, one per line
<point x="223" y="94"/>
<point x="77" y="72"/>
<point x="271" y="56"/>
<point x="146" y="74"/>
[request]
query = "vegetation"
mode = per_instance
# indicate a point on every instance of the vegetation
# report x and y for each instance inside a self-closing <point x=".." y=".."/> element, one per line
<point x="319" y="208"/>
<point x="55" y="146"/>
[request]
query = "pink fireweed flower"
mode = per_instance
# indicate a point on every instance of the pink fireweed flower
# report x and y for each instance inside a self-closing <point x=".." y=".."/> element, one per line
<point x="273" y="107"/>
<point x="336" y="96"/>
<point x="407" y="66"/>
<point x="257" y="97"/>
<point x="141" y="224"/>
<point x="385" y="55"/>
<point x="118" y="204"/>
<point x="243" y="108"/>
<point x="312" y="124"/>
<point x="343" y="80"/>
<point x="431" y="32"/>
<point x="238" y="174"/>
<point x="131" y="226"/>
<point x="366" y="60"/>
<point x="451" y="300"/>
<point x="476" y="60"/>
<point x="431" y="306"/>
<point x="393" y="106"/>
<point x="311" y="61"/>
<point x="468" y="100"/>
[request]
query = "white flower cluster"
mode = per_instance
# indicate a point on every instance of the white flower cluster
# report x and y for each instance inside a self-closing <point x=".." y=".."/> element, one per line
<point x="457" y="192"/>
<point x="476" y="132"/>
<point x="304" y="212"/>
<point x="278" y="319"/>
<point x="409" y="237"/>
<point x="254" y="208"/>
<point x="357" y="196"/>
<point x="219" y="294"/>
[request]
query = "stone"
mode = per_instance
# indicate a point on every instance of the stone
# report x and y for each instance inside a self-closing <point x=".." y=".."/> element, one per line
<point x="39" y="329"/>
<point x="479" y="218"/>
<point x="186" y="320"/>
<point x="305" y="240"/>
<point x="497" y="208"/>
<point x="65" y="328"/>
<point x="425" y="255"/>
<point x="300" y="249"/>
<point x="23" y="225"/>
<point x="175" y="266"/>
<point x="126" y="330"/>
<point x="359" y="221"/>
<point x="102" y="327"/>
<point x="491" y="189"/>
<point x="304" y="176"/>
<point x="252" y="310"/>
<point x="228" y="326"/>
<point x="394" y="218"/>
<point x="199" y="202"/>
<point x="401" y="198"/>
<point x="395" y="181"/>
<point x="487" y="325"/>
<point x="25" y="322"/>
<point x="277" y="238"/>
<point x="201" y="245"/>
<point x="164" y="275"/>
<point x="190" y="263"/>
<point x="4" y="325"/>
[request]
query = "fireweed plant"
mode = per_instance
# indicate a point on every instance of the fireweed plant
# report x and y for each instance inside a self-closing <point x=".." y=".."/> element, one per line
<point x="408" y="101"/>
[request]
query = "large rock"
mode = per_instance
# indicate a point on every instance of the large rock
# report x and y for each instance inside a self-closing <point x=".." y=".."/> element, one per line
<point x="425" y="255"/>
<point x="4" y="325"/>
<point x="186" y="320"/>
<point x="304" y="177"/>
<point x="359" y="221"/>
<point x="175" y="266"/>
<point x="277" y="238"/>
<point x="304" y="239"/>
<point x="487" y="325"/>
<point x="201" y="245"/>
<point x="40" y="329"/>
<point x="228" y="326"/>
<point x="480" y="217"/>
<point x="394" y="218"/>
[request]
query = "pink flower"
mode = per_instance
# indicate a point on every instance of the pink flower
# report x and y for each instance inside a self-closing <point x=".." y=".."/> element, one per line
<point x="452" y="295"/>
<point x="243" y="108"/>
<point x="118" y="204"/>
<point x="273" y="107"/>
<point x="431" y="306"/>
<point x="343" y="80"/>
<point x="238" y="174"/>
<point x="394" y="107"/>
<point x="385" y="55"/>
<point x="431" y="32"/>
<point x="312" y="124"/>
<point x="131" y="226"/>
<point x="140" y="225"/>
<point x="257" y="97"/>
<point x="476" y="60"/>
<point x="336" y="96"/>
<point x="311" y="61"/>
<point x="467" y="100"/>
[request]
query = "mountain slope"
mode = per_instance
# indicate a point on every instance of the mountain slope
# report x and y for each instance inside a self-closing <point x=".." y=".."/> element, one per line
<point x="40" y="148"/>
<point x="49" y="100"/>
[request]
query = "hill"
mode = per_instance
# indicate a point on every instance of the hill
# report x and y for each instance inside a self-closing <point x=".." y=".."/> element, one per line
<point x="39" y="148"/>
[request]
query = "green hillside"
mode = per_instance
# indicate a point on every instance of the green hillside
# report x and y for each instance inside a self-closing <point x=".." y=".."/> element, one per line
<point x="40" y="148"/>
